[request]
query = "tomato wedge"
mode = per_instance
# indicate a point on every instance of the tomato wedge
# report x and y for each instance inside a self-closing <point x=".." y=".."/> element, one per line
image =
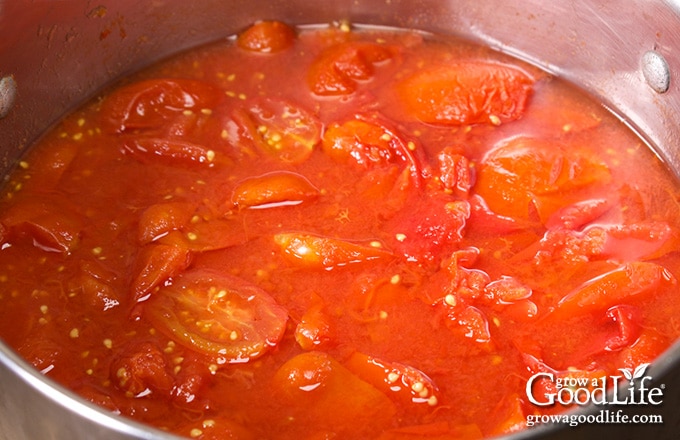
<point x="339" y="68"/>
<point x="315" y="251"/>
<point x="150" y="104"/>
<point x="319" y="390"/>
<point x="218" y="315"/>
<point x="368" y="142"/>
<point x="402" y="382"/>
<point x="467" y="93"/>
<point x="525" y="175"/>
<point x="609" y="289"/>
<point x="154" y="264"/>
<point x="167" y="150"/>
<point x="279" y="188"/>
<point x="280" y="128"/>
<point x="52" y="224"/>
<point x="161" y="218"/>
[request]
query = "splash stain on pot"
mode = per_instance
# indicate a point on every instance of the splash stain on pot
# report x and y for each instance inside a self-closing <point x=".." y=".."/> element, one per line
<point x="8" y="93"/>
<point x="656" y="72"/>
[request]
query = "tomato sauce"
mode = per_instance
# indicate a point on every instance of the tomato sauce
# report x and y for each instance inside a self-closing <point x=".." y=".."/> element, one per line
<point x="337" y="232"/>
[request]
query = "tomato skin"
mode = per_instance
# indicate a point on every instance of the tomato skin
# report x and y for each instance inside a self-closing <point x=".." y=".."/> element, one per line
<point x="467" y="93"/>
<point x="339" y="68"/>
<point x="273" y="189"/>
<point x="266" y="37"/>
<point x="218" y="315"/>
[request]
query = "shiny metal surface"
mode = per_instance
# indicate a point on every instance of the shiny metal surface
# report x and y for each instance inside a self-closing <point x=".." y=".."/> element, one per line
<point x="60" y="52"/>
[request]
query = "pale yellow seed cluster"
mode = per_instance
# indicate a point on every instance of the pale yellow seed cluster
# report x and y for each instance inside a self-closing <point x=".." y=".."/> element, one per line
<point x="169" y="347"/>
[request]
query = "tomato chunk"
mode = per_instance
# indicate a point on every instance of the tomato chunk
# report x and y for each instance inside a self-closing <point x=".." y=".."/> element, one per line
<point x="266" y="37"/>
<point x="218" y="315"/>
<point x="148" y="104"/>
<point x="526" y="175"/>
<point x="455" y="172"/>
<point x="281" y="129"/>
<point x="339" y="68"/>
<point x="314" y="329"/>
<point x="609" y="289"/>
<point x="467" y="93"/>
<point x="161" y="218"/>
<point x="402" y="382"/>
<point x="154" y="264"/>
<point x="320" y="252"/>
<point x="53" y="225"/>
<point x="141" y="368"/>
<point x="368" y="142"/>
<point x="438" y="225"/>
<point x="320" y="390"/>
<point x="168" y="150"/>
<point x="278" y="188"/>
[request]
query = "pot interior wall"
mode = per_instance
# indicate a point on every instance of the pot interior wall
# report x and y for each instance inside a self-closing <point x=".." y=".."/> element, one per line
<point x="59" y="53"/>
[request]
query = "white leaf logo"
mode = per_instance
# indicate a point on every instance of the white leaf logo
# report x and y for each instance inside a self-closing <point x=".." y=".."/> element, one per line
<point x="639" y="371"/>
<point x="626" y="372"/>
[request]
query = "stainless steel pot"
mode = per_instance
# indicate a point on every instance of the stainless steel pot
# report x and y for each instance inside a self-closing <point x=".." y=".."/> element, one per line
<point x="55" y="54"/>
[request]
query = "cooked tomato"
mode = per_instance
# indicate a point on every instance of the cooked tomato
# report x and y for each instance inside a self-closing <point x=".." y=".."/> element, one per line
<point x="161" y="218"/>
<point x="219" y="315"/>
<point x="266" y="37"/>
<point x="527" y="175"/>
<point x="396" y="380"/>
<point x="340" y="68"/>
<point x="467" y="93"/>
<point x="149" y="104"/>
<point x="313" y="251"/>
<point x="168" y="150"/>
<point x="337" y="398"/>
<point x="279" y="188"/>
<point x="621" y="284"/>
<point x="52" y="224"/>
<point x="281" y="129"/>
<point x="155" y="264"/>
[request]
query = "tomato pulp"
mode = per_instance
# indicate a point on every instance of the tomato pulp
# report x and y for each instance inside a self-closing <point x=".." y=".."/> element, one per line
<point x="337" y="232"/>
